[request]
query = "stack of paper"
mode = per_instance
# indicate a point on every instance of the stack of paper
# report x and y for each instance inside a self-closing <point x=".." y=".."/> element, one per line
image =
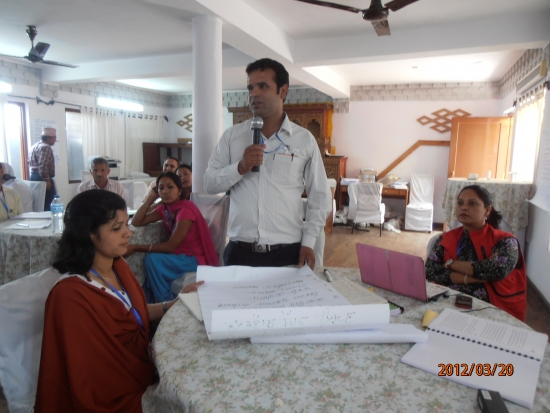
<point x="289" y="304"/>
<point x="348" y="181"/>
<point x="35" y="215"/>
<point x="30" y="224"/>
<point x="399" y="185"/>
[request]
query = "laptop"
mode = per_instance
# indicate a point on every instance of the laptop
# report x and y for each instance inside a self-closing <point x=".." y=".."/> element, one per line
<point x="396" y="272"/>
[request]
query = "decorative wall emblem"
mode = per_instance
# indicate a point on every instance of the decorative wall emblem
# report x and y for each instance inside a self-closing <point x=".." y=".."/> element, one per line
<point x="442" y="119"/>
<point x="188" y="122"/>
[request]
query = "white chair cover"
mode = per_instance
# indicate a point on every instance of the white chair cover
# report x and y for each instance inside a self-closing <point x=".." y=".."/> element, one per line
<point x="366" y="204"/>
<point x="134" y="192"/>
<point x="431" y="244"/>
<point x="21" y="188"/>
<point x="22" y="324"/>
<point x="332" y="184"/>
<point x="215" y="210"/>
<point x="419" y="212"/>
<point x="38" y="192"/>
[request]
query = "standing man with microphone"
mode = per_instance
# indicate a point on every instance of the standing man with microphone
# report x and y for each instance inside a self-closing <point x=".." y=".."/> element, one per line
<point x="265" y="213"/>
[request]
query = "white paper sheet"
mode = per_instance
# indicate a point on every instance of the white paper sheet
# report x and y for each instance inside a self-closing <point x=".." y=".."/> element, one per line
<point x="35" y="215"/>
<point x="392" y="333"/>
<point x="244" y="302"/>
<point x="30" y="224"/>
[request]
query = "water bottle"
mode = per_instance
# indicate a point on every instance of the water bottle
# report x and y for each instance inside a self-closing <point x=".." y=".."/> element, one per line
<point x="57" y="214"/>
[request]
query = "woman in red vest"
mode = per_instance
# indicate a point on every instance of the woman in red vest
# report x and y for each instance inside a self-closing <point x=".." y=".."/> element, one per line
<point x="478" y="259"/>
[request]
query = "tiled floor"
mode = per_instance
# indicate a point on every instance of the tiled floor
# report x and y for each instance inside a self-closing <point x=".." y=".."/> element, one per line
<point x="340" y="252"/>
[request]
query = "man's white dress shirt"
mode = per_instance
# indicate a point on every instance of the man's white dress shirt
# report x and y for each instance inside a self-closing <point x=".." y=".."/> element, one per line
<point x="112" y="186"/>
<point x="266" y="207"/>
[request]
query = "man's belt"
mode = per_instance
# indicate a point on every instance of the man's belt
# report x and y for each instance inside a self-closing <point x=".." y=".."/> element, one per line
<point x="254" y="246"/>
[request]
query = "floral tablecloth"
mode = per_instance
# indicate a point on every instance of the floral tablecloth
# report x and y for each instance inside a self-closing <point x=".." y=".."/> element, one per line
<point x="24" y="252"/>
<point x="200" y="376"/>
<point x="509" y="198"/>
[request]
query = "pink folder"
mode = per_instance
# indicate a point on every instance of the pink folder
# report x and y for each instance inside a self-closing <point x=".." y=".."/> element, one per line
<point x="393" y="271"/>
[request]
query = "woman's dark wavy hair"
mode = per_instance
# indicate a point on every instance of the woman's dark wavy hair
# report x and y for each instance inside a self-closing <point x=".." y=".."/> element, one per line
<point x="177" y="181"/>
<point x="84" y="215"/>
<point x="494" y="217"/>
<point x="185" y="166"/>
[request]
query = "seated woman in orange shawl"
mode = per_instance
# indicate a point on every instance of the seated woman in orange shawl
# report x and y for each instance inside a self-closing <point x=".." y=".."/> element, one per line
<point x="479" y="259"/>
<point x="95" y="348"/>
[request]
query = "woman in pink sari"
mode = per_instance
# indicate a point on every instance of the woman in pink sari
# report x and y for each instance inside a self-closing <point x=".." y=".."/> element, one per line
<point x="189" y="244"/>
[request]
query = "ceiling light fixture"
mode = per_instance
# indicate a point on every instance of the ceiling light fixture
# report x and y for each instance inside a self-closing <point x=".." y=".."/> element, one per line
<point x="509" y="110"/>
<point x="5" y="87"/>
<point x="119" y="104"/>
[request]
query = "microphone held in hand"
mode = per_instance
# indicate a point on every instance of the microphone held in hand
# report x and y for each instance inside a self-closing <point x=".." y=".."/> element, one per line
<point x="256" y="126"/>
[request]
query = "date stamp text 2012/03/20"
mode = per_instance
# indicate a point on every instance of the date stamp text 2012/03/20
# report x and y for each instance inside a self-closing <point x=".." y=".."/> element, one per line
<point x="479" y="369"/>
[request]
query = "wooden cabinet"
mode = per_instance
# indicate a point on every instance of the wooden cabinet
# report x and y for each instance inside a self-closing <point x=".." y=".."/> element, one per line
<point x="480" y="145"/>
<point x="154" y="155"/>
<point x="317" y="118"/>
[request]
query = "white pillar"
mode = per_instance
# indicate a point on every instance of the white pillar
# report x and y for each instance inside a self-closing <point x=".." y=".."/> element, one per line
<point x="207" y="93"/>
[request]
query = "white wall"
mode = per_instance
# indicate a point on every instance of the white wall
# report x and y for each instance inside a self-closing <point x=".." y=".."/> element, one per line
<point x="375" y="133"/>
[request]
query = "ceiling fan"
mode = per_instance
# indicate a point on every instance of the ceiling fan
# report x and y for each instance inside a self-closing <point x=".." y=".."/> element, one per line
<point x="37" y="53"/>
<point x="376" y="13"/>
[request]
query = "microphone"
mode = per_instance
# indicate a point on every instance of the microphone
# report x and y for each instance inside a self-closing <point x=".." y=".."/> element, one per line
<point x="7" y="177"/>
<point x="256" y="126"/>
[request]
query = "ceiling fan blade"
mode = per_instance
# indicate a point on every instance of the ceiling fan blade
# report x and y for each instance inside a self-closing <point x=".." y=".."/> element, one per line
<point x="51" y="62"/>
<point x="382" y="27"/>
<point x="332" y="5"/>
<point x="398" y="4"/>
<point x="40" y="50"/>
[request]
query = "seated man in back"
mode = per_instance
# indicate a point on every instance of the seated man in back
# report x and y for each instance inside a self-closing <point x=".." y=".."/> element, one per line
<point x="10" y="199"/>
<point x="99" y="168"/>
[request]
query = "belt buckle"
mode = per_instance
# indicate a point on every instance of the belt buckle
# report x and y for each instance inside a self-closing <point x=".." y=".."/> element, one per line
<point x="259" y="247"/>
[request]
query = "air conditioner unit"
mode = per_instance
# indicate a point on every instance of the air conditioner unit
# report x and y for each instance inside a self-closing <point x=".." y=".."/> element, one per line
<point x="535" y="77"/>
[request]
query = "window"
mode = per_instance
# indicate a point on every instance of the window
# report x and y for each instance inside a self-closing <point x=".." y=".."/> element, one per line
<point x="75" y="159"/>
<point x="13" y="145"/>
<point x="526" y="138"/>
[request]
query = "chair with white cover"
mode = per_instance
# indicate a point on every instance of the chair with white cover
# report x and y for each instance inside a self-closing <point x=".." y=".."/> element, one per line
<point x="365" y="204"/>
<point x="419" y="213"/>
<point x="431" y="244"/>
<point x="22" y="324"/>
<point x="134" y="192"/>
<point x="21" y="188"/>
<point x="38" y="192"/>
<point x="215" y="210"/>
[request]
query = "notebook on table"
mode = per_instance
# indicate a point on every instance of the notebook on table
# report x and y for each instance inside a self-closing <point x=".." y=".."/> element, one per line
<point x="396" y="272"/>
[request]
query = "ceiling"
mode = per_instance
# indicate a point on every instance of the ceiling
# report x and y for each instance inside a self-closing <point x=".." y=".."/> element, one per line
<point x="148" y="43"/>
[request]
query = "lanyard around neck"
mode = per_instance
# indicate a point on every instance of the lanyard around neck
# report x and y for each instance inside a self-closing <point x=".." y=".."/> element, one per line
<point x="5" y="203"/>
<point x="119" y="295"/>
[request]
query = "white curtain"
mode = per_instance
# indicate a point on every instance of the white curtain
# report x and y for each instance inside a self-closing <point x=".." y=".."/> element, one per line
<point x="101" y="131"/>
<point x="526" y="139"/>
<point x="139" y="129"/>
<point x="4" y="153"/>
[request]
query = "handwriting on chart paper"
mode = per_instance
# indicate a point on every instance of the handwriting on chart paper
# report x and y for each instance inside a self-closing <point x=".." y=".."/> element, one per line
<point x="242" y="323"/>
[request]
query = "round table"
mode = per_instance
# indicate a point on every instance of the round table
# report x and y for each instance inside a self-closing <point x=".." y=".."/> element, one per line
<point x="24" y="252"/>
<point x="199" y="376"/>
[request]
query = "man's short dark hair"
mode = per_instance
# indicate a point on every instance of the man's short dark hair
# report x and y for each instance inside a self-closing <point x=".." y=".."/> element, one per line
<point x="98" y="161"/>
<point x="281" y="75"/>
<point x="172" y="157"/>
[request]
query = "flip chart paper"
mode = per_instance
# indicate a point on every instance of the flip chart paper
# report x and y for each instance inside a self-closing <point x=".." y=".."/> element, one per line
<point x="244" y="302"/>
<point x="391" y="333"/>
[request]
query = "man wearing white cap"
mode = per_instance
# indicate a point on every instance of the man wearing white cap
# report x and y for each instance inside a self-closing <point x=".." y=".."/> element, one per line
<point x="42" y="163"/>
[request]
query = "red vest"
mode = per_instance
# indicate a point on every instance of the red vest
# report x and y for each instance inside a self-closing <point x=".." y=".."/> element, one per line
<point x="508" y="294"/>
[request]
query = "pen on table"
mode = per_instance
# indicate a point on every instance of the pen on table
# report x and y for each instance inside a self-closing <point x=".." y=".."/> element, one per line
<point x="327" y="274"/>
<point x="22" y="225"/>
